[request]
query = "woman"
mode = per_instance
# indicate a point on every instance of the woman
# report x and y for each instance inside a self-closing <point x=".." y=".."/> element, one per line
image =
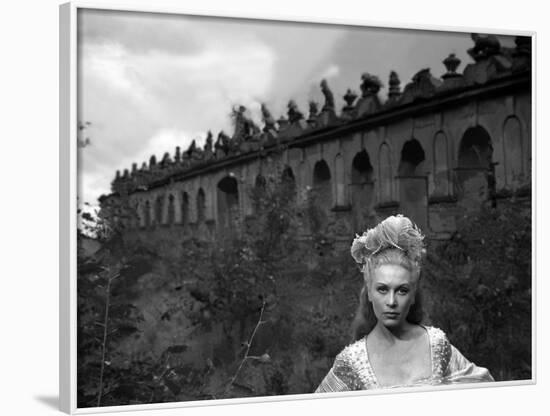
<point x="392" y="348"/>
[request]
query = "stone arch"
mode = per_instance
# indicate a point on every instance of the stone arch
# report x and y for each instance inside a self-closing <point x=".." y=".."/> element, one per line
<point x="171" y="209"/>
<point x="513" y="151"/>
<point x="361" y="168"/>
<point x="133" y="214"/>
<point x="412" y="159"/>
<point x="140" y="210"/>
<point x="288" y="175"/>
<point x="228" y="202"/>
<point x="441" y="165"/>
<point x="475" y="149"/>
<point x="260" y="181"/>
<point x="147" y="214"/>
<point x="385" y="173"/>
<point x="184" y="208"/>
<point x="158" y="209"/>
<point x="322" y="184"/>
<point x="288" y="181"/>
<point x="258" y="192"/>
<point x="475" y="169"/>
<point x="413" y="183"/>
<point x="201" y="205"/>
<point x="362" y="190"/>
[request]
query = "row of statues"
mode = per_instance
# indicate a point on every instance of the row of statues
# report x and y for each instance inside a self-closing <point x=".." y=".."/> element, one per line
<point x="249" y="137"/>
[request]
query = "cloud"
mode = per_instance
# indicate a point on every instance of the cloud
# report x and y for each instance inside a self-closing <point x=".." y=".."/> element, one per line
<point x="145" y="103"/>
<point x="149" y="82"/>
<point x="138" y="32"/>
<point x="331" y="72"/>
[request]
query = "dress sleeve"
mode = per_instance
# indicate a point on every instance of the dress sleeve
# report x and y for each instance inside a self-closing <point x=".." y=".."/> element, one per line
<point x="460" y="370"/>
<point x="341" y="377"/>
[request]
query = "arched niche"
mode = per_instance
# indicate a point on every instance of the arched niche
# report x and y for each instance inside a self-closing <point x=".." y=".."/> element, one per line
<point x="412" y="158"/>
<point x="147" y="214"/>
<point x="322" y="186"/>
<point x="158" y="210"/>
<point x="476" y="149"/>
<point x="184" y="208"/>
<point x="362" y="189"/>
<point x="361" y="168"/>
<point x="228" y="202"/>
<point x="413" y="183"/>
<point x="385" y="173"/>
<point x="260" y="182"/>
<point x="441" y="165"/>
<point x="201" y="205"/>
<point x="288" y="182"/>
<point x="258" y="192"/>
<point x="140" y="210"/>
<point x="134" y="215"/>
<point x="475" y="169"/>
<point x="513" y="152"/>
<point x="287" y="176"/>
<point x="171" y="210"/>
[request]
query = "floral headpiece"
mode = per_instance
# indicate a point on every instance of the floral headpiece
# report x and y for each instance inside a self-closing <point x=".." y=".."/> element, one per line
<point x="394" y="232"/>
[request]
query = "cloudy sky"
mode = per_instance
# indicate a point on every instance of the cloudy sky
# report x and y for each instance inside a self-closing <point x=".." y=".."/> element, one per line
<point x="150" y="82"/>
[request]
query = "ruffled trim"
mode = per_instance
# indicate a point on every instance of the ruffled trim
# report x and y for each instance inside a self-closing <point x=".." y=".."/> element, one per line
<point x="440" y="350"/>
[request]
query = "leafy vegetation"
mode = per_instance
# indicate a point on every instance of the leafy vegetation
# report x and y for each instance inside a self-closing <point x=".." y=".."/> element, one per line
<point x="264" y="312"/>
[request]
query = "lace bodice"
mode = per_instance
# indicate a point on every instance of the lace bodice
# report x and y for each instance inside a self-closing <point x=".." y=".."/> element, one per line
<point x="352" y="369"/>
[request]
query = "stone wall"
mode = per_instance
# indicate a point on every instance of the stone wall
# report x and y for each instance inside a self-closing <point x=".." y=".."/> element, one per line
<point x="432" y="152"/>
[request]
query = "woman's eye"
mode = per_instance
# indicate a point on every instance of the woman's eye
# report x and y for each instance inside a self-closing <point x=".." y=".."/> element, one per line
<point x="403" y="291"/>
<point x="382" y="289"/>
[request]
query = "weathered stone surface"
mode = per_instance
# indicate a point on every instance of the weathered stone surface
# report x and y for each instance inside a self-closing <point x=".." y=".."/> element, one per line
<point x="325" y="136"/>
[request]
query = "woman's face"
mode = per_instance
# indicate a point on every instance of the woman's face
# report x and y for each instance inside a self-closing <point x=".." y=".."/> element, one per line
<point x="392" y="291"/>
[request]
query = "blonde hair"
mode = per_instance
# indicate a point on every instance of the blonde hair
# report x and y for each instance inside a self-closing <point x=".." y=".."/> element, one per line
<point x="392" y="256"/>
<point x="398" y="237"/>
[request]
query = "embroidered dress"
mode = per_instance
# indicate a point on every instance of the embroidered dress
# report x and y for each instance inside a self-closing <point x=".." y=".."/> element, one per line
<point x="352" y="370"/>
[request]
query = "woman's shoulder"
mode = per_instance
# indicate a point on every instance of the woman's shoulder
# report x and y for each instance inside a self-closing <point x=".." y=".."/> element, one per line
<point x="353" y="351"/>
<point x="351" y="365"/>
<point x="436" y="333"/>
<point x="440" y="347"/>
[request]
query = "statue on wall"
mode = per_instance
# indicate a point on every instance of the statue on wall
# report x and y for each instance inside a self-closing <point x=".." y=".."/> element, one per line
<point x="313" y="112"/>
<point x="294" y="114"/>
<point x="268" y="119"/>
<point x="370" y="84"/>
<point x="484" y="46"/>
<point x="166" y="160"/>
<point x="195" y="153"/>
<point x="192" y="147"/>
<point x="329" y="96"/>
<point x="208" y="142"/>
<point x="244" y="126"/>
<point x="185" y="160"/>
<point x="349" y="98"/>
<point x="221" y="147"/>
<point x="394" y="86"/>
<point x="208" y="146"/>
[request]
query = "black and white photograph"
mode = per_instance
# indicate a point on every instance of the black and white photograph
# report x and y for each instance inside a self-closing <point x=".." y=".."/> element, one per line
<point x="275" y="208"/>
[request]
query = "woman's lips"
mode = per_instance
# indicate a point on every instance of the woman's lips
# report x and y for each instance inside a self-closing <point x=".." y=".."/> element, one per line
<point x="391" y="314"/>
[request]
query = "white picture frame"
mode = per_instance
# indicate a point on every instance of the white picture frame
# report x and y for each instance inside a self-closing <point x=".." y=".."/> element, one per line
<point x="68" y="208"/>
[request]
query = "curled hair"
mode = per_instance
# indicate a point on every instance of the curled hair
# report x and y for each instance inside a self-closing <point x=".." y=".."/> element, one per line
<point x="394" y="232"/>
